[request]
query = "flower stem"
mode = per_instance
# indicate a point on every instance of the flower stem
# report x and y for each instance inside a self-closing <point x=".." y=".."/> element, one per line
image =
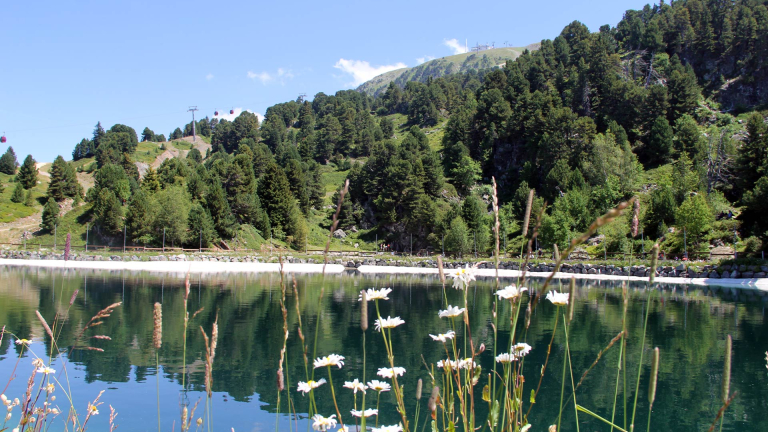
<point x="333" y="393"/>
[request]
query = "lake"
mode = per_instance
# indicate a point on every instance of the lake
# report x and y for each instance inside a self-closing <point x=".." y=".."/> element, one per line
<point x="689" y="325"/>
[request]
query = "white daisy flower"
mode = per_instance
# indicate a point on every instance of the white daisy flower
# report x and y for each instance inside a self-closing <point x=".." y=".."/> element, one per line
<point x="462" y="276"/>
<point x="389" y="372"/>
<point x="388" y="322"/>
<point x="393" y="428"/>
<point x="442" y="337"/>
<point x="449" y="364"/>
<point x="320" y="423"/>
<point x="521" y="349"/>
<point x="355" y="385"/>
<point x="510" y="292"/>
<point x="379" y="386"/>
<point x="46" y="370"/>
<point x="306" y="387"/>
<point x="374" y="294"/>
<point x="369" y="412"/>
<point x="467" y="363"/>
<point x="329" y="360"/>
<point x="505" y="358"/>
<point x="559" y="299"/>
<point x="452" y="311"/>
<point x="24" y="342"/>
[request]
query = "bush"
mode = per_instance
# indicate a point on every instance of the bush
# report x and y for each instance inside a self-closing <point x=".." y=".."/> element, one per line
<point x="752" y="246"/>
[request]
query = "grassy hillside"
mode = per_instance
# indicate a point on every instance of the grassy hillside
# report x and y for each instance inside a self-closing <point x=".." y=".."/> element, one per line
<point x="444" y="66"/>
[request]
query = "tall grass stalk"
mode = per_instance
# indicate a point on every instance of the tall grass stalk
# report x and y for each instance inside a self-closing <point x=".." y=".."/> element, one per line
<point x="640" y="363"/>
<point x="652" y="385"/>
<point x="496" y="227"/>
<point x="364" y="328"/>
<point x="726" y="384"/>
<point x="621" y="366"/>
<point x="157" y="342"/>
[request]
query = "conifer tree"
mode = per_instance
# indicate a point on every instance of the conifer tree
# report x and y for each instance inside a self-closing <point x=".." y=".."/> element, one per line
<point x="201" y="228"/>
<point x="151" y="181"/>
<point x="108" y="211"/>
<point x="27" y="175"/>
<point x="50" y="215"/>
<point x="63" y="181"/>
<point x="8" y="162"/>
<point x="659" y="141"/>
<point x="221" y="214"/>
<point x="276" y="197"/>
<point x="29" y="201"/>
<point x="140" y="217"/>
<point x="18" y="194"/>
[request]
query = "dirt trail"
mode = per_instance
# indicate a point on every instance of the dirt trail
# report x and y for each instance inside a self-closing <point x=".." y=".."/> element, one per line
<point x="11" y="231"/>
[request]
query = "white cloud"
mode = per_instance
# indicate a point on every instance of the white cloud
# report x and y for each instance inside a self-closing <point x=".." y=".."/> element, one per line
<point x="361" y="71"/>
<point x="225" y="115"/>
<point x="265" y="77"/>
<point x="424" y="59"/>
<point x="209" y="77"/>
<point x="455" y="46"/>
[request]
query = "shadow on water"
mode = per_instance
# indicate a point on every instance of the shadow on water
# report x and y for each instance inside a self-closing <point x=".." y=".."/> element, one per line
<point x="688" y="323"/>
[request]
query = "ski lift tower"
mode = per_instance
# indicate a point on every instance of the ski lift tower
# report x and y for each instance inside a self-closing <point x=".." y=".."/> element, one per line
<point x="194" y="131"/>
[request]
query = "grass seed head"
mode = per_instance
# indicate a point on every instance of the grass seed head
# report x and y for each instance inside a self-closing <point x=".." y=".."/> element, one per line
<point x="364" y="312"/>
<point x="571" y="298"/>
<point x="654" y="262"/>
<point x="528" y="206"/>
<point x="157" y="334"/>
<point x="432" y="404"/>
<point x="654" y="376"/>
<point x="418" y="389"/>
<point x="727" y="369"/>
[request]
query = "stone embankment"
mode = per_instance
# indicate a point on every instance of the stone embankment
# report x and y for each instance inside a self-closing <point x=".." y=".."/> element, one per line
<point x="679" y="270"/>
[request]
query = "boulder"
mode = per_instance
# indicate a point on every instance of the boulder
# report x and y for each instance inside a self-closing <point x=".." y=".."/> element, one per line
<point x="340" y="234"/>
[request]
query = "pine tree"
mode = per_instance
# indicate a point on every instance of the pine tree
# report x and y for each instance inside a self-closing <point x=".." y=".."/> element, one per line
<point x="276" y="198"/>
<point x="27" y="175"/>
<point x="63" y="181"/>
<point x="683" y="91"/>
<point x="29" y="201"/>
<point x="151" y="181"/>
<point x="139" y="219"/>
<point x="216" y="202"/>
<point x="108" y="211"/>
<point x="50" y="215"/>
<point x="98" y="135"/>
<point x="8" y="162"/>
<point x="660" y="138"/>
<point x="18" y="194"/>
<point x="201" y="227"/>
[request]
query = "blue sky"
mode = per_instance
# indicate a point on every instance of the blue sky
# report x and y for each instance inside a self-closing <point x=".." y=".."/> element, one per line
<point x="66" y="65"/>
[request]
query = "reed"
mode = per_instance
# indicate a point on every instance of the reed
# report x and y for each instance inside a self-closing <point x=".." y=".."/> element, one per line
<point x="528" y="205"/>
<point x="334" y="223"/>
<point x="653" y="383"/>
<point x="726" y="383"/>
<point x="157" y="342"/>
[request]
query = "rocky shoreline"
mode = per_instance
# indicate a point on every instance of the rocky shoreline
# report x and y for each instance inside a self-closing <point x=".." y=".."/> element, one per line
<point x="680" y="271"/>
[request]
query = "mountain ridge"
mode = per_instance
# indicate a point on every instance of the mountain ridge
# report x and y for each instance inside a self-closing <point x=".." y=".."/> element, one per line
<point x="442" y="66"/>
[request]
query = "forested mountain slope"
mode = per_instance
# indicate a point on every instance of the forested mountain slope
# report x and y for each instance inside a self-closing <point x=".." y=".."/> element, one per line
<point x="665" y="107"/>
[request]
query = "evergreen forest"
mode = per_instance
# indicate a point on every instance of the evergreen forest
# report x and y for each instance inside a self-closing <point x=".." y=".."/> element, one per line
<point x="668" y="106"/>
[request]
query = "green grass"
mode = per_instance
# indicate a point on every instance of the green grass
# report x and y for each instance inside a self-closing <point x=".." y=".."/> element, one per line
<point x="10" y="211"/>
<point x="147" y="152"/>
<point x="82" y="164"/>
<point x="332" y="180"/>
<point x="73" y="222"/>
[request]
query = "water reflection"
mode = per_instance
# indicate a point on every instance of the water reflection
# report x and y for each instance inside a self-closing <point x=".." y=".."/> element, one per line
<point x="688" y="323"/>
